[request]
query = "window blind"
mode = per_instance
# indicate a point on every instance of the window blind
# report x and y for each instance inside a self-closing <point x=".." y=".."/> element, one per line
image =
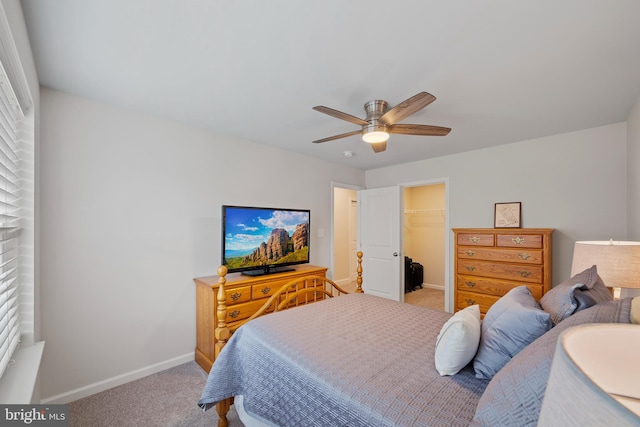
<point x="11" y="117"/>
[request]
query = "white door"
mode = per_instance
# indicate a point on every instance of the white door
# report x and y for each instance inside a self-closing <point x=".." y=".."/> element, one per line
<point x="380" y="242"/>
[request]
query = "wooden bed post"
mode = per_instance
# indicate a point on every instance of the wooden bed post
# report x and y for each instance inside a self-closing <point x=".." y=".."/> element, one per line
<point x="222" y="334"/>
<point x="359" y="270"/>
<point x="222" y="331"/>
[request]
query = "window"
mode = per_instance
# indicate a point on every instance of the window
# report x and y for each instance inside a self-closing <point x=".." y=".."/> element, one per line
<point x="11" y="122"/>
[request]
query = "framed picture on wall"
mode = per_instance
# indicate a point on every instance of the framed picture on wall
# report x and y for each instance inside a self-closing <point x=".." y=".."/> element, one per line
<point x="507" y="215"/>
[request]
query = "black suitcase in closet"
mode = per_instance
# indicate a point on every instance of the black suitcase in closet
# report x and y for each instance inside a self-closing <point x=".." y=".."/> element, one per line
<point x="413" y="275"/>
<point x="418" y="275"/>
<point x="408" y="275"/>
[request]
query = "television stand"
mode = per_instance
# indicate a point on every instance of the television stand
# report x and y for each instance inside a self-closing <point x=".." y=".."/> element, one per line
<point x="244" y="296"/>
<point x="267" y="270"/>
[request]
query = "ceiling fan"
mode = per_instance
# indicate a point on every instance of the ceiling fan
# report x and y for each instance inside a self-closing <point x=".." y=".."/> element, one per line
<point x="381" y="121"/>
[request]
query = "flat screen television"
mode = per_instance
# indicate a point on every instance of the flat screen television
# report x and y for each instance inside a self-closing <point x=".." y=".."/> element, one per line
<point x="259" y="241"/>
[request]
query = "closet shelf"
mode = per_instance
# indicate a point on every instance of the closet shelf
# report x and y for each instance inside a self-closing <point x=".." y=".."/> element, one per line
<point x="423" y="211"/>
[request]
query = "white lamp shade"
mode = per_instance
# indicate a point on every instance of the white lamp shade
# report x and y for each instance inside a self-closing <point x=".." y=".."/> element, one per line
<point x="594" y="378"/>
<point x="618" y="263"/>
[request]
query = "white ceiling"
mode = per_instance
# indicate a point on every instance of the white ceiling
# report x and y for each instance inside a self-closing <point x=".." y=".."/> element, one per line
<point x="502" y="70"/>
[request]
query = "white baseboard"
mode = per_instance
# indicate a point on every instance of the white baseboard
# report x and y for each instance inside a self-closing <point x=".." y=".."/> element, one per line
<point x="103" y="385"/>
<point x="432" y="286"/>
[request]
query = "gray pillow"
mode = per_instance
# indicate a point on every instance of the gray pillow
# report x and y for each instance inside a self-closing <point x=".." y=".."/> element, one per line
<point x="513" y="322"/>
<point x="583" y="300"/>
<point x="514" y="396"/>
<point x="561" y="302"/>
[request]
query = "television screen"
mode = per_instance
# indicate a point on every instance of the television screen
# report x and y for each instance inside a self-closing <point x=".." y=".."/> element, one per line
<point x="264" y="240"/>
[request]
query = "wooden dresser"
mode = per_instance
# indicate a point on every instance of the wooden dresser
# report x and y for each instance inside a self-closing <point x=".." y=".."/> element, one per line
<point x="491" y="261"/>
<point x="245" y="295"/>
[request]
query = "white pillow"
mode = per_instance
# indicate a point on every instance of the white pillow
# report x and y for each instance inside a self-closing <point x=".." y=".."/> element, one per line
<point x="458" y="341"/>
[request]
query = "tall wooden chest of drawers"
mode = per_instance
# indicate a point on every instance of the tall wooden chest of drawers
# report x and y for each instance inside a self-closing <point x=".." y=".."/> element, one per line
<point x="491" y="261"/>
<point x="245" y="295"/>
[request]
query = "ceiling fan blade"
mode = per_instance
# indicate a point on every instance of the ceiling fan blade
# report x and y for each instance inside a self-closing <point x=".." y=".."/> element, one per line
<point x="342" y="135"/>
<point x="340" y="115"/>
<point x="407" y="108"/>
<point x="419" y="130"/>
<point x="379" y="147"/>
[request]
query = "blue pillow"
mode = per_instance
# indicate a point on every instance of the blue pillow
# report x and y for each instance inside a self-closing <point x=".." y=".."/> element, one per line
<point x="581" y="291"/>
<point x="513" y="322"/>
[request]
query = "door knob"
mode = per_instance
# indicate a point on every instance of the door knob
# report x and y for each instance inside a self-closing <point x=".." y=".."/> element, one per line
<point x="395" y="254"/>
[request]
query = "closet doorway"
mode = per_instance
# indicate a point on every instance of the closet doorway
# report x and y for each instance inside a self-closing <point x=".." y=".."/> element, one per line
<point x="425" y="243"/>
<point x="425" y="238"/>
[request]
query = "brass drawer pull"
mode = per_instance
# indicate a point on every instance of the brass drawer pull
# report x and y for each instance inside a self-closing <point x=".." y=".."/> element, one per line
<point x="524" y="256"/>
<point x="234" y="314"/>
<point x="525" y="273"/>
<point x="474" y="239"/>
<point x="469" y="267"/>
<point x="265" y="290"/>
<point x="518" y="240"/>
<point x="236" y="296"/>
<point x="470" y="252"/>
<point x="470" y="284"/>
<point x="470" y="301"/>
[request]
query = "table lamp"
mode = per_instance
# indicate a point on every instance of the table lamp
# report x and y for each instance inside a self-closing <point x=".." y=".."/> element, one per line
<point x="618" y="264"/>
<point x="585" y="388"/>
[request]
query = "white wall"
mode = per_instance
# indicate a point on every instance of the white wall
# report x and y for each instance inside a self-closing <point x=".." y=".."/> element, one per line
<point x="633" y="172"/>
<point x="574" y="183"/>
<point x="131" y="210"/>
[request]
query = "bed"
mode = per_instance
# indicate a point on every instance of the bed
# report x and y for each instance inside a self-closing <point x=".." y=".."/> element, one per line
<point x="362" y="360"/>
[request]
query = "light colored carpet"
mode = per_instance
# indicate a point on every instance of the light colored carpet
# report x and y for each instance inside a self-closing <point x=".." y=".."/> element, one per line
<point x="168" y="398"/>
<point x="426" y="297"/>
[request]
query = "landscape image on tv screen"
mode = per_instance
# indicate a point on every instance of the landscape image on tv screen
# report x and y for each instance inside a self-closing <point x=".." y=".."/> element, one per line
<point x="259" y="237"/>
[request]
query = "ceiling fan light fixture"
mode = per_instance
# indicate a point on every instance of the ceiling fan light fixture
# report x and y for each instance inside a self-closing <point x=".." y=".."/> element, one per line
<point x="375" y="133"/>
<point x="381" y="121"/>
<point x="375" y="137"/>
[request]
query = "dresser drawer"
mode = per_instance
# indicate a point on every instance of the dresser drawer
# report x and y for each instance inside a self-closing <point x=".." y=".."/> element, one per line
<point x="504" y="255"/>
<point x="244" y="310"/>
<point x="496" y="287"/>
<point x="519" y="241"/>
<point x="264" y="290"/>
<point x="521" y="273"/>
<point x="466" y="299"/>
<point x="476" y="239"/>
<point x="238" y="295"/>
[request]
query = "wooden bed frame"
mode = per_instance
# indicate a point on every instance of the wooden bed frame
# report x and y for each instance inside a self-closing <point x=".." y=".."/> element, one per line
<point x="291" y="294"/>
